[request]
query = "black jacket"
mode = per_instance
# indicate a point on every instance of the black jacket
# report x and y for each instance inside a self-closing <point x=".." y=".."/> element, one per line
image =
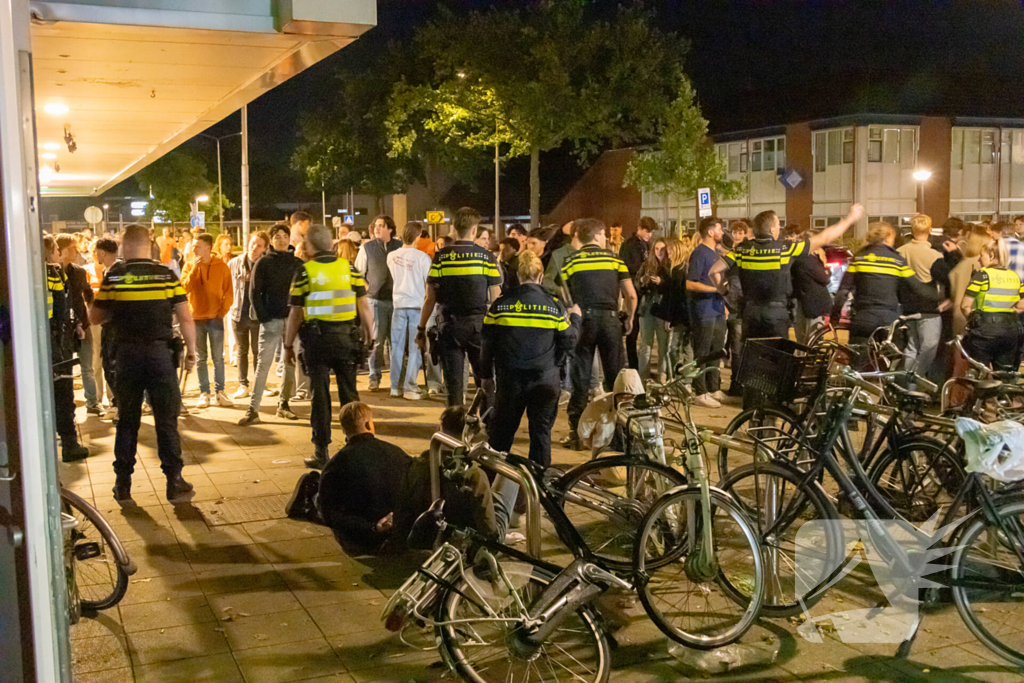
<point x="810" y="285"/>
<point x="634" y="252"/>
<point x="526" y="330"/>
<point x="881" y="279"/>
<point x="79" y="294"/>
<point x="674" y="305"/>
<point x="359" y="486"/>
<point x="271" y="284"/>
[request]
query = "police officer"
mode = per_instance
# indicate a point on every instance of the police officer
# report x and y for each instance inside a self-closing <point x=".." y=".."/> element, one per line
<point x="58" y="311"/>
<point x="880" y="279"/>
<point x="463" y="279"/>
<point x="327" y="291"/>
<point x="763" y="263"/>
<point x="595" y="278"/>
<point x="526" y="335"/>
<point x="138" y="298"/>
<point x="994" y="295"/>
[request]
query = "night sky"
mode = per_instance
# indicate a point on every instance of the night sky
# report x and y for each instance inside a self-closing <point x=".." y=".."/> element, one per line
<point x="753" y="64"/>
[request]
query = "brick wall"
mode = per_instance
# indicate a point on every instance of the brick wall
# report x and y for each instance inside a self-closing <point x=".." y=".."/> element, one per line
<point x="600" y="194"/>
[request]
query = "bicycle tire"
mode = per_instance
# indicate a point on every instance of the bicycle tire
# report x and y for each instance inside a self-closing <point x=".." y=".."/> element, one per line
<point x="807" y="502"/>
<point x="613" y="542"/>
<point x="584" y="624"/>
<point x="721" y="627"/>
<point x="99" y="572"/>
<point x="788" y="422"/>
<point x="930" y="488"/>
<point x="965" y="566"/>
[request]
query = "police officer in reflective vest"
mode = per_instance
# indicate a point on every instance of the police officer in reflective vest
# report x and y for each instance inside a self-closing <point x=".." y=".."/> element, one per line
<point x="994" y="296"/>
<point x="139" y="298"/>
<point x="595" y="278"/>
<point x="327" y="292"/>
<point x="58" y="311"/>
<point x="463" y="279"/>
<point x="880" y="279"/>
<point x="763" y="263"/>
<point x="526" y="336"/>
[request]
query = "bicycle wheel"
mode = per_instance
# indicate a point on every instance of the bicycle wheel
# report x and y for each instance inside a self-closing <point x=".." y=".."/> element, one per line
<point x="482" y="648"/>
<point x="988" y="581"/>
<point x="780" y="426"/>
<point x="102" y="582"/>
<point x="918" y="479"/>
<point x="797" y="529"/>
<point x="606" y="500"/>
<point x="681" y="587"/>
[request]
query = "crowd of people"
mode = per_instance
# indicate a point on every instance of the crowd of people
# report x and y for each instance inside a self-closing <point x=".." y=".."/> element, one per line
<point x="541" y="318"/>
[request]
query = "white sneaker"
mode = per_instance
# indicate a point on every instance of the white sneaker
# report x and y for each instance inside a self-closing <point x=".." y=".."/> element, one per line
<point x="412" y="395"/>
<point x="271" y="391"/>
<point x="396" y="394"/>
<point x="719" y="396"/>
<point x="374" y="385"/>
<point x="223" y="401"/>
<point x="241" y="392"/>
<point x="205" y="401"/>
<point x="707" y="401"/>
<point x="563" y="398"/>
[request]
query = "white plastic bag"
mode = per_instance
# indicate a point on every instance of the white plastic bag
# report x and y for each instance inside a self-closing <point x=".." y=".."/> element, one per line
<point x="995" y="449"/>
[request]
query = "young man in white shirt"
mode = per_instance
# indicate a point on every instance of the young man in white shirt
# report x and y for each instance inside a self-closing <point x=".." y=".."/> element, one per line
<point x="409" y="268"/>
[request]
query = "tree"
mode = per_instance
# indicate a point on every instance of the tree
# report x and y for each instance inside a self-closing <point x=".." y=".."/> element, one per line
<point x="532" y="77"/>
<point x="174" y="181"/>
<point x="684" y="159"/>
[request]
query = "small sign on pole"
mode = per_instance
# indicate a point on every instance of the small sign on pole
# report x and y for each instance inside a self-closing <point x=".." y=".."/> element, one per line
<point x="198" y="220"/>
<point x="704" y="202"/>
<point x="350" y="219"/>
<point x="435" y="217"/>
<point x="93" y="215"/>
<point x="336" y="222"/>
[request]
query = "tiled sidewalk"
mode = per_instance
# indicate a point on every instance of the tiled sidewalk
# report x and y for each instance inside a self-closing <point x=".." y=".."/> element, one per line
<point x="278" y="600"/>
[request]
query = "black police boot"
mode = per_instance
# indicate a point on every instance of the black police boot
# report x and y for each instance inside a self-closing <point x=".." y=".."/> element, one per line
<point x="572" y="441"/>
<point x="123" y="489"/>
<point x="319" y="459"/>
<point x="72" y="451"/>
<point x="178" y="490"/>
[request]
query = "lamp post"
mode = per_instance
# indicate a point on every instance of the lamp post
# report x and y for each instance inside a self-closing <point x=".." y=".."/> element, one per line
<point x="220" y="184"/>
<point x="195" y="205"/>
<point x="921" y="176"/>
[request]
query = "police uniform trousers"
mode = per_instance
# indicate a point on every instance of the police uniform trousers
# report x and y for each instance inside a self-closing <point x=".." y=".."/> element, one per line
<point x="600" y="331"/>
<point x="332" y="349"/>
<point x="459" y="337"/>
<point x="765" y="319"/>
<point x="64" y="400"/>
<point x="994" y="338"/>
<point x="147" y="368"/>
<point x="864" y="321"/>
<point x="536" y="393"/>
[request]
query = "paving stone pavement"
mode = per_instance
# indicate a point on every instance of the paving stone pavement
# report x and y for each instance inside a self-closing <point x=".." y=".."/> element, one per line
<point x="278" y="600"/>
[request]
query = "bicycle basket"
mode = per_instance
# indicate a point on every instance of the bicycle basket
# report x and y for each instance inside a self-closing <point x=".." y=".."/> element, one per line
<point x="778" y="370"/>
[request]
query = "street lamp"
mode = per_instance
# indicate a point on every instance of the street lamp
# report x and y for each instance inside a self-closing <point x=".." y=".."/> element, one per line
<point x="921" y="175"/>
<point x="105" y="207"/>
<point x="220" y="184"/>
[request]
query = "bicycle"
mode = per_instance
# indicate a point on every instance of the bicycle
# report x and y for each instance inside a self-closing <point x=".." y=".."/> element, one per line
<point x="986" y="545"/>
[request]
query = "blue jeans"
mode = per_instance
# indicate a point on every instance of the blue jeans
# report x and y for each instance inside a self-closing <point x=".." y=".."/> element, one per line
<point x="652" y="329"/>
<point x="403" y="338"/>
<point x="85" y="358"/>
<point x="271" y="336"/>
<point x="212" y="330"/>
<point x="382" y="311"/>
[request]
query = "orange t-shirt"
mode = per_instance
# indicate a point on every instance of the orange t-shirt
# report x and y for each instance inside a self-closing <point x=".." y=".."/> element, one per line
<point x="167" y="246"/>
<point x="426" y="245"/>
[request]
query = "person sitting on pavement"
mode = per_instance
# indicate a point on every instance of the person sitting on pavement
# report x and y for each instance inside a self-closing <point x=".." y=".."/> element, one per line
<point x="359" y="486"/>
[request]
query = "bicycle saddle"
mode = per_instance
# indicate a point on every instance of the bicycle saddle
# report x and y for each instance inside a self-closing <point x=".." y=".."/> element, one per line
<point x="907" y="396"/>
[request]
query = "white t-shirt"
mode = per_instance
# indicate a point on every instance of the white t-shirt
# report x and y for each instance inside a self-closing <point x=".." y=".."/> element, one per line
<point x="409" y="269"/>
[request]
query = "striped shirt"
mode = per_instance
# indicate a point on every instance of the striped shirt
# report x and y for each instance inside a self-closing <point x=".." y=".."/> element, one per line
<point x="140" y="296"/>
<point x="462" y="274"/>
<point x="593" y="275"/>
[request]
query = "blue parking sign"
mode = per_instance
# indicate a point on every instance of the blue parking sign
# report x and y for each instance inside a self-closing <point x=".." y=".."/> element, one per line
<point x="704" y="201"/>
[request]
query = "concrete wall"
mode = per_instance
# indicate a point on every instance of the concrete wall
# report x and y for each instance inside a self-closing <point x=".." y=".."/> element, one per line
<point x="934" y="155"/>
<point x="600" y="194"/>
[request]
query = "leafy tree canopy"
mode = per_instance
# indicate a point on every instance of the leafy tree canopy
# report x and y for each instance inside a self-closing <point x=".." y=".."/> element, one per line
<point x="174" y="181"/>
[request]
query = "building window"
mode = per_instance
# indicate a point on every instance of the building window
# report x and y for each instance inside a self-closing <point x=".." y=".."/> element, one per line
<point x="908" y="151"/>
<point x="988" y="146"/>
<point x="780" y="153"/>
<point x="819" y="152"/>
<point x="835" y="147"/>
<point x="734" y="158"/>
<point x="972" y="147"/>
<point x="1017" y="154"/>
<point x="957" y="154"/>
<point x="769" y="155"/>
<point x="847" y="146"/>
<point x="743" y="157"/>
<point x="874" y="144"/>
<point x="755" y="156"/>
<point x="891" y="146"/>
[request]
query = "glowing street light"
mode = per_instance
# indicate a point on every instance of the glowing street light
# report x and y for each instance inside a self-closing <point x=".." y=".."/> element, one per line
<point x="921" y="175"/>
<point x="202" y="198"/>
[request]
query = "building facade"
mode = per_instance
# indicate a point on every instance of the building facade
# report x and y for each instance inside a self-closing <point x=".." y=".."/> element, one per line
<point x="810" y="173"/>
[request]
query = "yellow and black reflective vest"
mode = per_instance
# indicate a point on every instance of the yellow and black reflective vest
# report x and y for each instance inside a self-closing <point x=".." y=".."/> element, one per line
<point x="327" y="288"/>
<point x="526" y="330"/>
<point x="995" y="290"/>
<point x="54" y="283"/>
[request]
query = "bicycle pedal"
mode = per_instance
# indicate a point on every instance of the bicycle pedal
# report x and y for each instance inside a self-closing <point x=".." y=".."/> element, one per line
<point x="87" y="551"/>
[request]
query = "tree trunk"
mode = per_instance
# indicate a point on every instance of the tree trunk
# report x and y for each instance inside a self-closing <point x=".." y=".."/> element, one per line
<point x="534" y="186"/>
